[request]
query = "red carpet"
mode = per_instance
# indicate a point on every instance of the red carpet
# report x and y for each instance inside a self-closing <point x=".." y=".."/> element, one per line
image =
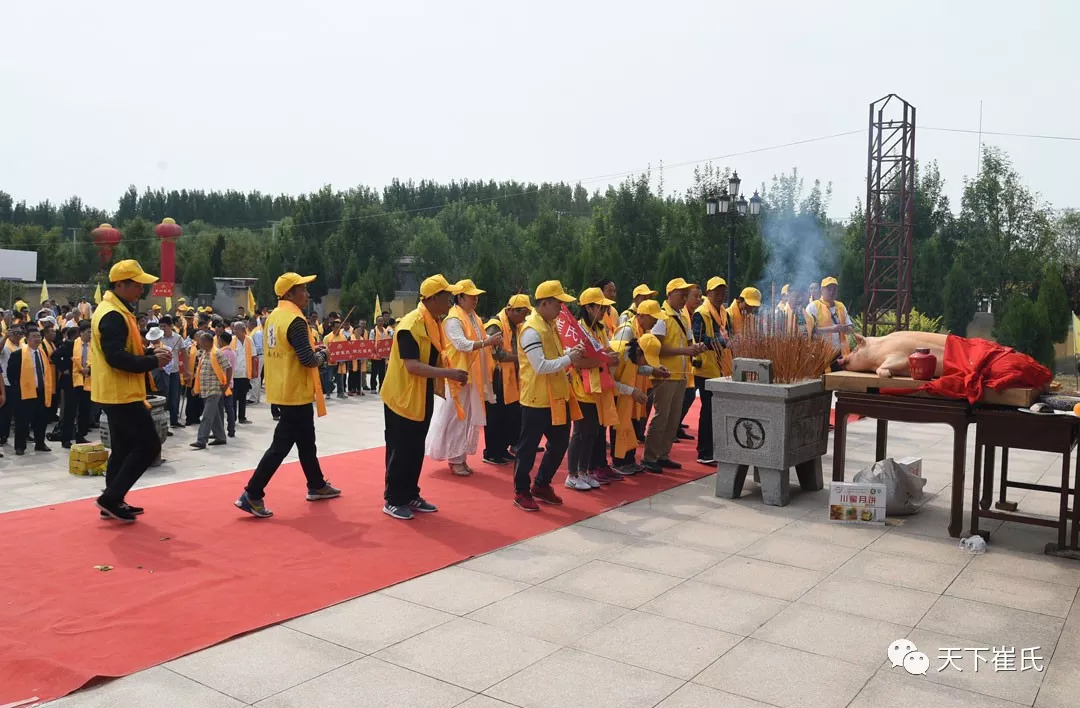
<point x="852" y="418"/>
<point x="195" y="571"/>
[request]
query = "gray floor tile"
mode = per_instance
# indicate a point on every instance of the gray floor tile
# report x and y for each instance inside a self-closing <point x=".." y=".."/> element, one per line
<point x="154" y="687"/>
<point x="632" y="522"/>
<point x="914" y="573"/>
<point x="659" y="644"/>
<point x="888" y="603"/>
<point x="710" y="537"/>
<point x="1032" y="567"/>
<point x="523" y="563"/>
<point x="455" y="590"/>
<point x="694" y="695"/>
<point x="857" y="640"/>
<point x="679" y="561"/>
<point x="467" y="653"/>
<point x="283" y="657"/>
<point x="572" y="679"/>
<point x="812" y="555"/>
<point x="612" y="583"/>
<point x="783" y="582"/>
<point x="898" y="688"/>
<point x="795" y="679"/>
<point x="849" y="535"/>
<point x="1010" y="591"/>
<point x="370" y="683"/>
<point x="992" y="625"/>
<point x="369" y="623"/>
<point x="580" y="540"/>
<point x="547" y="614"/>
<point x="717" y="607"/>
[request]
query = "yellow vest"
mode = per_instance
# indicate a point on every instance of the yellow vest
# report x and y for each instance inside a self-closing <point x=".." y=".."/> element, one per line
<point x="713" y="365"/>
<point x="28" y="375"/>
<point x="675" y="337"/>
<point x="511" y="394"/>
<point x="288" y="382"/>
<point x="537" y="391"/>
<point x="402" y="392"/>
<point x="342" y="366"/>
<point x="77" y="378"/>
<point x="824" y="316"/>
<point x="477" y="362"/>
<point x="109" y="385"/>
<point x="741" y="324"/>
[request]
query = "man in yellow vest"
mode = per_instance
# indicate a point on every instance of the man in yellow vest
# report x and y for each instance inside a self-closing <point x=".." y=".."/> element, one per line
<point x="504" y="415"/>
<point x="547" y="401"/>
<point x="414" y="373"/>
<point x="119" y="364"/>
<point x="712" y="328"/>
<point x="293" y="359"/>
<point x="797" y="322"/>
<point x="337" y="372"/>
<point x="676" y="350"/>
<point x="831" y="321"/>
<point x="639" y="350"/>
<point x="31" y="371"/>
<point x="693" y="302"/>
<point x="641" y="293"/>
<point x="743" y="312"/>
<point x="378" y="363"/>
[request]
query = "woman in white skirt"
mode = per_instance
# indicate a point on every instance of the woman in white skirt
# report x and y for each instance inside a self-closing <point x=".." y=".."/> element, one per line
<point x="459" y="417"/>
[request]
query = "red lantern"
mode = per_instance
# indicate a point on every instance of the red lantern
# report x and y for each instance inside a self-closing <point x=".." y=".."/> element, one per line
<point x="168" y="231"/>
<point x="107" y="238"/>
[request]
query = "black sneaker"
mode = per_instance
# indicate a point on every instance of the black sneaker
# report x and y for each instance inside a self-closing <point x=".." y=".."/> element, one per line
<point x="81" y="441"/>
<point x="495" y="460"/>
<point x="398" y="512"/>
<point x="681" y="435"/>
<point x="219" y="442"/>
<point x="422" y="505"/>
<point x="669" y="464"/>
<point x="245" y="421"/>
<point x="706" y="461"/>
<point x="653" y="467"/>
<point x="198" y="445"/>
<point x="255" y="507"/>
<point x="177" y="424"/>
<point x="116" y="511"/>
<point x="136" y="510"/>
<point x="66" y="444"/>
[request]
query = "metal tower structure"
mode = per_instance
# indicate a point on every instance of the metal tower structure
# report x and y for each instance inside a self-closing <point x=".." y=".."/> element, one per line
<point x="890" y="214"/>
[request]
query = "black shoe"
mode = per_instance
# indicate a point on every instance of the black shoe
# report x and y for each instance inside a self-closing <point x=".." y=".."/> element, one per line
<point x="669" y="464"/>
<point x="219" y="442"/>
<point x="540" y="449"/>
<point x="177" y="425"/>
<point x="683" y="426"/>
<point x="116" y="511"/>
<point x="510" y="456"/>
<point x="276" y="417"/>
<point x="198" y="445"/>
<point x="136" y="510"/>
<point x="20" y="452"/>
<point x="66" y="444"/>
<point x="683" y="436"/>
<point x="82" y="441"/>
<point x="232" y="434"/>
<point x="244" y="421"/>
<point x="653" y="467"/>
<point x="42" y="448"/>
<point x="495" y="460"/>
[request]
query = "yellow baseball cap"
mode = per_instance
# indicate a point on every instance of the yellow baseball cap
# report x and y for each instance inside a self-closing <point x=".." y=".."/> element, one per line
<point x="829" y="281"/>
<point x="435" y="285"/>
<point x="751" y="296"/>
<point x="649" y="307"/>
<point x="594" y="296"/>
<point x="678" y="284"/>
<point x="288" y="281"/>
<point x="644" y="289"/>
<point x="552" y="288"/>
<point x="181" y="300"/>
<point x="130" y="270"/>
<point x="467" y="287"/>
<point x="715" y="282"/>
<point x="156" y="307"/>
<point x="784" y="290"/>
<point x="518" y="301"/>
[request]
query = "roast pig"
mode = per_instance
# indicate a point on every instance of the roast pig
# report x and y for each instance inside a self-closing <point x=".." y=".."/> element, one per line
<point x="888" y="356"/>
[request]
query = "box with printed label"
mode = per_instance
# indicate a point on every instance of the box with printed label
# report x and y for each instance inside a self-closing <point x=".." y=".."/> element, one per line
<point x="855" y="503"/>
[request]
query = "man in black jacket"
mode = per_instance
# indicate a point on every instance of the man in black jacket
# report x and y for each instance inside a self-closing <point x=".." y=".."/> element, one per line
<point x="76" y="405"/>
<point x="31" y="412"/>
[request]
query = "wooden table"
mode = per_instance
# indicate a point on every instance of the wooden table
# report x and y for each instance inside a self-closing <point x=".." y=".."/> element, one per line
<point x="1009" y="428"/>
<point x="906" y="409"/>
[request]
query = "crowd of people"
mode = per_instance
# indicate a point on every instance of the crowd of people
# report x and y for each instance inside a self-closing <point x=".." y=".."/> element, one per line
<point x="450" y="376"/>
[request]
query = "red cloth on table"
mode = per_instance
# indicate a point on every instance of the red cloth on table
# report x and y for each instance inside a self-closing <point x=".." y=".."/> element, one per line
<point x="972" y="365"/>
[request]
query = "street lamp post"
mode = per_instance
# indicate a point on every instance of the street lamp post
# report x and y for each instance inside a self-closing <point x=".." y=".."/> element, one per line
<point x="719" y="207"/>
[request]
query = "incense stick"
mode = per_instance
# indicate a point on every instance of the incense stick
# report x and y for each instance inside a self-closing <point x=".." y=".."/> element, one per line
<point x="794" y="358"/>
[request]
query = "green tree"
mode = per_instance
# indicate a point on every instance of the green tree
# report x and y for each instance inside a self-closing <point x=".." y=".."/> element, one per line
<point x="1024" y="327"/>
<point x="196" y="275"/>
<point x="311" y="262"/>
<point x="1055" y="304"/>
<point x="959" y="298"/>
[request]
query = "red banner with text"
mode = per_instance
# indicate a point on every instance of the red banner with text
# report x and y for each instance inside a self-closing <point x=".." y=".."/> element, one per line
<point x="572" y="334"/>
<point x="362" y="349"/>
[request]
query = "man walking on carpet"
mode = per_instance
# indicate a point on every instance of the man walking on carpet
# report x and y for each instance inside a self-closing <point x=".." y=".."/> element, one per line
<point x="119" y="363"/>
<point x="292" y="384"/>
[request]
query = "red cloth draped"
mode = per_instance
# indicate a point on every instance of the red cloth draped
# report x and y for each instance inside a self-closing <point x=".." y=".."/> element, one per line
<point x="973" y="365"/>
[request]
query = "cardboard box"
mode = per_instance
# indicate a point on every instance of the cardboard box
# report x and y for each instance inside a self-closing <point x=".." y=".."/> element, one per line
<point x="856" y="503"/>
<point x="911" y="464"/>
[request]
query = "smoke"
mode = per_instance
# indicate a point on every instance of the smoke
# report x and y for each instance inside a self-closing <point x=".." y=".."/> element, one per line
<point x="796" y="250"/>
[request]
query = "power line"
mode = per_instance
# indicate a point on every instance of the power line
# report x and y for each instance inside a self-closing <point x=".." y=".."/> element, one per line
<point x="1008" y="135"/>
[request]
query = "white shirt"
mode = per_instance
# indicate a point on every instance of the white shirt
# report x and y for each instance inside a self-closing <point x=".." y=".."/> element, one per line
<point x="241" y="359"/>
<point x="534" y="349"/>
<point x="4" y="356"/>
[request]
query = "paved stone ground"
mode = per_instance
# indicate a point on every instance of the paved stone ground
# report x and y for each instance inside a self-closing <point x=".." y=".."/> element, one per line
<point x="679" y="600"/>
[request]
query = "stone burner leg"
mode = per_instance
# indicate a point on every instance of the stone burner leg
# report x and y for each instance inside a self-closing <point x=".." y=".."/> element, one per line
<point x="810" y="477"/>
<point x="775" y="486"/>
<point x="729" y="480"/>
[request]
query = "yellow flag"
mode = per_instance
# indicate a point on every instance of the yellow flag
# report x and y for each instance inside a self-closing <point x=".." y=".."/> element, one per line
<point x="378" y="310"/>
<point x="1076" y="334"/>
<point x="251" y="304"/>
<point x="44" y="292"/>
<point x="97" y="294"/>
<point x="168" y="305"/>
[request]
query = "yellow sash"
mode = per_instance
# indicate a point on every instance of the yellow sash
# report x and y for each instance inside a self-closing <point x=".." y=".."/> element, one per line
<point x="435" y="334"/>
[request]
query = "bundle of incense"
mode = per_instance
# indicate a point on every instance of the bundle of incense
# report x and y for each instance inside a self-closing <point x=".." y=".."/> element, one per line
<point x="794" y="358"/>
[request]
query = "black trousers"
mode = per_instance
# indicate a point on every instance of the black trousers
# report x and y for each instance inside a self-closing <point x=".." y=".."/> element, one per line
<point x="687" y="401"/>
<point x="404" y="456"/>
<point x="194" y="409"/>
<point x="240" y="390"/>
<point x="31" y="414"/>
<point x="135" y="446"/>
<point x="587" y="444"/>
<point x="76" y="419"/>
<point x="173" y="395"/>
<point x="378" y="373"/>
<point x="7" y="412"/>
<point x="503" y="426"/>
<point x="296" y="427"/>
<point x="535" y="424"/>
<point x="704" y="433"/>
<point x="356" y="380"/>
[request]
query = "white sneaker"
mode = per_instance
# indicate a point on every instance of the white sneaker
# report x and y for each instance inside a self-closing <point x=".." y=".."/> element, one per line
<point x="590" y="480"/>
<point x="577" y="483"/>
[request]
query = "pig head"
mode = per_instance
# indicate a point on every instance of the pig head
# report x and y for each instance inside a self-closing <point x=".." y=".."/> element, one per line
<point x="888" y="356"/>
